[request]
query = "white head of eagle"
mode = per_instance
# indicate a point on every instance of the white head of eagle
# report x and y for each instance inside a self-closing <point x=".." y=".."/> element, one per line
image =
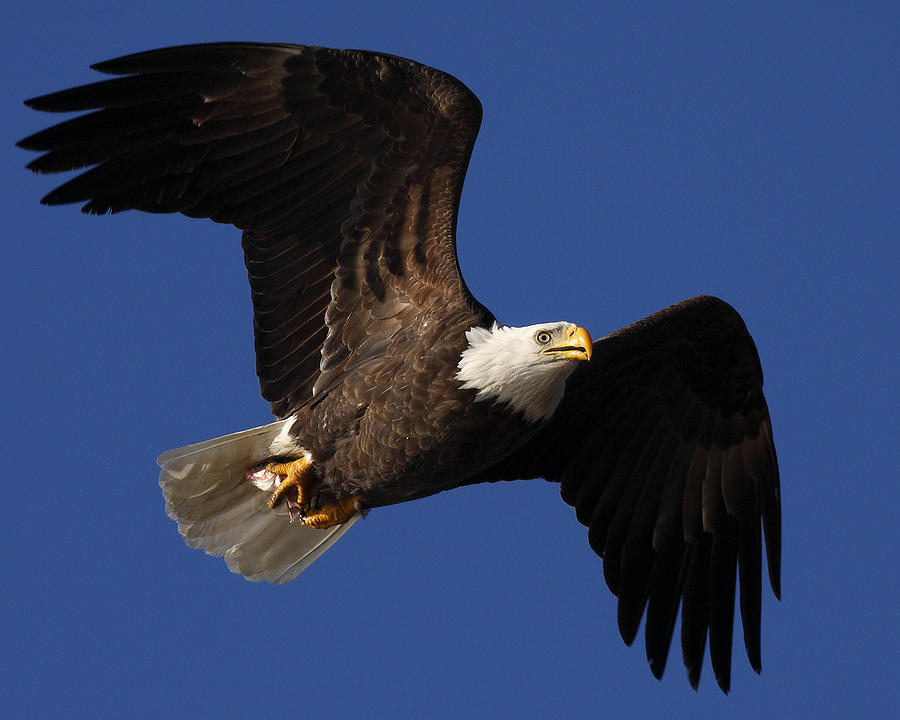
<point x="524" y="367"/>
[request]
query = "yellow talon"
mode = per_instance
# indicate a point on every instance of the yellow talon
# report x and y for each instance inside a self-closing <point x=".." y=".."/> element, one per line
<point x="298" y="474"/>
<point x="334" y="514"/>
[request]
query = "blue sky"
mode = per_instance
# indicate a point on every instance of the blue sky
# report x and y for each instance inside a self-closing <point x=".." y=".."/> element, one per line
<point x="654" y="153"/>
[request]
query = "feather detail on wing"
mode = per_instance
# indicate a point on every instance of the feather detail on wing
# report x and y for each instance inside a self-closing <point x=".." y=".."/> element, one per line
<point x="221" y="511"/>
<point x="663" y="445"/>
<point x="343" y="168"/>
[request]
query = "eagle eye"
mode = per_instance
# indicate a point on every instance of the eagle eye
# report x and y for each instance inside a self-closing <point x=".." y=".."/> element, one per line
<point x="542" y="337"/>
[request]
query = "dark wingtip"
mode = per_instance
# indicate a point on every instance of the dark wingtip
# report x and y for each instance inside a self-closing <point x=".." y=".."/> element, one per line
<point x="628" y="625"/>
<point x="38" y="165"/>
<point x="694" y="677"/>
<point x="46" y="103"/>
<point x="724" y="682"/>
<point x="54" y="197"/>
<point x="32" y="142"/>
<point x="124" y="64"/>
<point x="754" y="658"/>
<point x="113" y="66"/>
<point x="657" y="668"/>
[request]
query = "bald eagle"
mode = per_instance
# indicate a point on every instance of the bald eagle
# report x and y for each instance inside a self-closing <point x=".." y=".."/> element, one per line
<point x="390" y="381"/>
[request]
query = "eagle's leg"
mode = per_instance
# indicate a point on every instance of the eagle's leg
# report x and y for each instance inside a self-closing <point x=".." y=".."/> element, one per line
<point x="298" y="474"/>
<point x="335" y="514"/>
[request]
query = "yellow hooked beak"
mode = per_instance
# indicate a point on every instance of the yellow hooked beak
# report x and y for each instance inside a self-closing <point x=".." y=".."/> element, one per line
<point x="576" y="345"/>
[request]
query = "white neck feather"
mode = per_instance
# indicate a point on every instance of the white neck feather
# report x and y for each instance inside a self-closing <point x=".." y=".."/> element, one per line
<point x="503" y="364"/>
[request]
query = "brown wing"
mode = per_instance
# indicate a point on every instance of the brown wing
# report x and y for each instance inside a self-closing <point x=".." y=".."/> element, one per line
<point x="663" y="444"/>
<point x="343" y="168"/>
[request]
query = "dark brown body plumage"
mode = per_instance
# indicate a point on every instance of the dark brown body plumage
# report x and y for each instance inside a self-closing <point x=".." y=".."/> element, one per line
<point x="408" y="430"/>
<point x="344" y="170"/>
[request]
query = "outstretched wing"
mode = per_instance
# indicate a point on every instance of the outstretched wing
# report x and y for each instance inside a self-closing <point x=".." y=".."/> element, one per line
<point x="343" y="168"/>
<point x="663" y="444"/>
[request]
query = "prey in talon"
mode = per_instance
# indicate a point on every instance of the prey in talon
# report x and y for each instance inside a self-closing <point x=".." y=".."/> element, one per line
<point x="293" y="482"/>
<point x="297" y="475"/>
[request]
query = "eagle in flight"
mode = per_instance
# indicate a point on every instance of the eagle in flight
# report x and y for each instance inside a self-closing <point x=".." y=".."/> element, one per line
<point x="390" y="381"/>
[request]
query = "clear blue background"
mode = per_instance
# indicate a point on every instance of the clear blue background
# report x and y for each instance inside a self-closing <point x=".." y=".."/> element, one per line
<point x="632" y="154"/>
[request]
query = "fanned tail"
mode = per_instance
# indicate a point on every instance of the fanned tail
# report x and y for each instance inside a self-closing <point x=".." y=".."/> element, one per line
<point x="220" y="511"/>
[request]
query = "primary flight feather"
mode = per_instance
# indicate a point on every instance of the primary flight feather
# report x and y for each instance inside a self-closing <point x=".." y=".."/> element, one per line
<point x="390" y="381"/>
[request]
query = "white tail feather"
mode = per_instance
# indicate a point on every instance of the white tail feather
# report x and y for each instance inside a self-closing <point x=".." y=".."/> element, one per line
<point x="220" y="511"/>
